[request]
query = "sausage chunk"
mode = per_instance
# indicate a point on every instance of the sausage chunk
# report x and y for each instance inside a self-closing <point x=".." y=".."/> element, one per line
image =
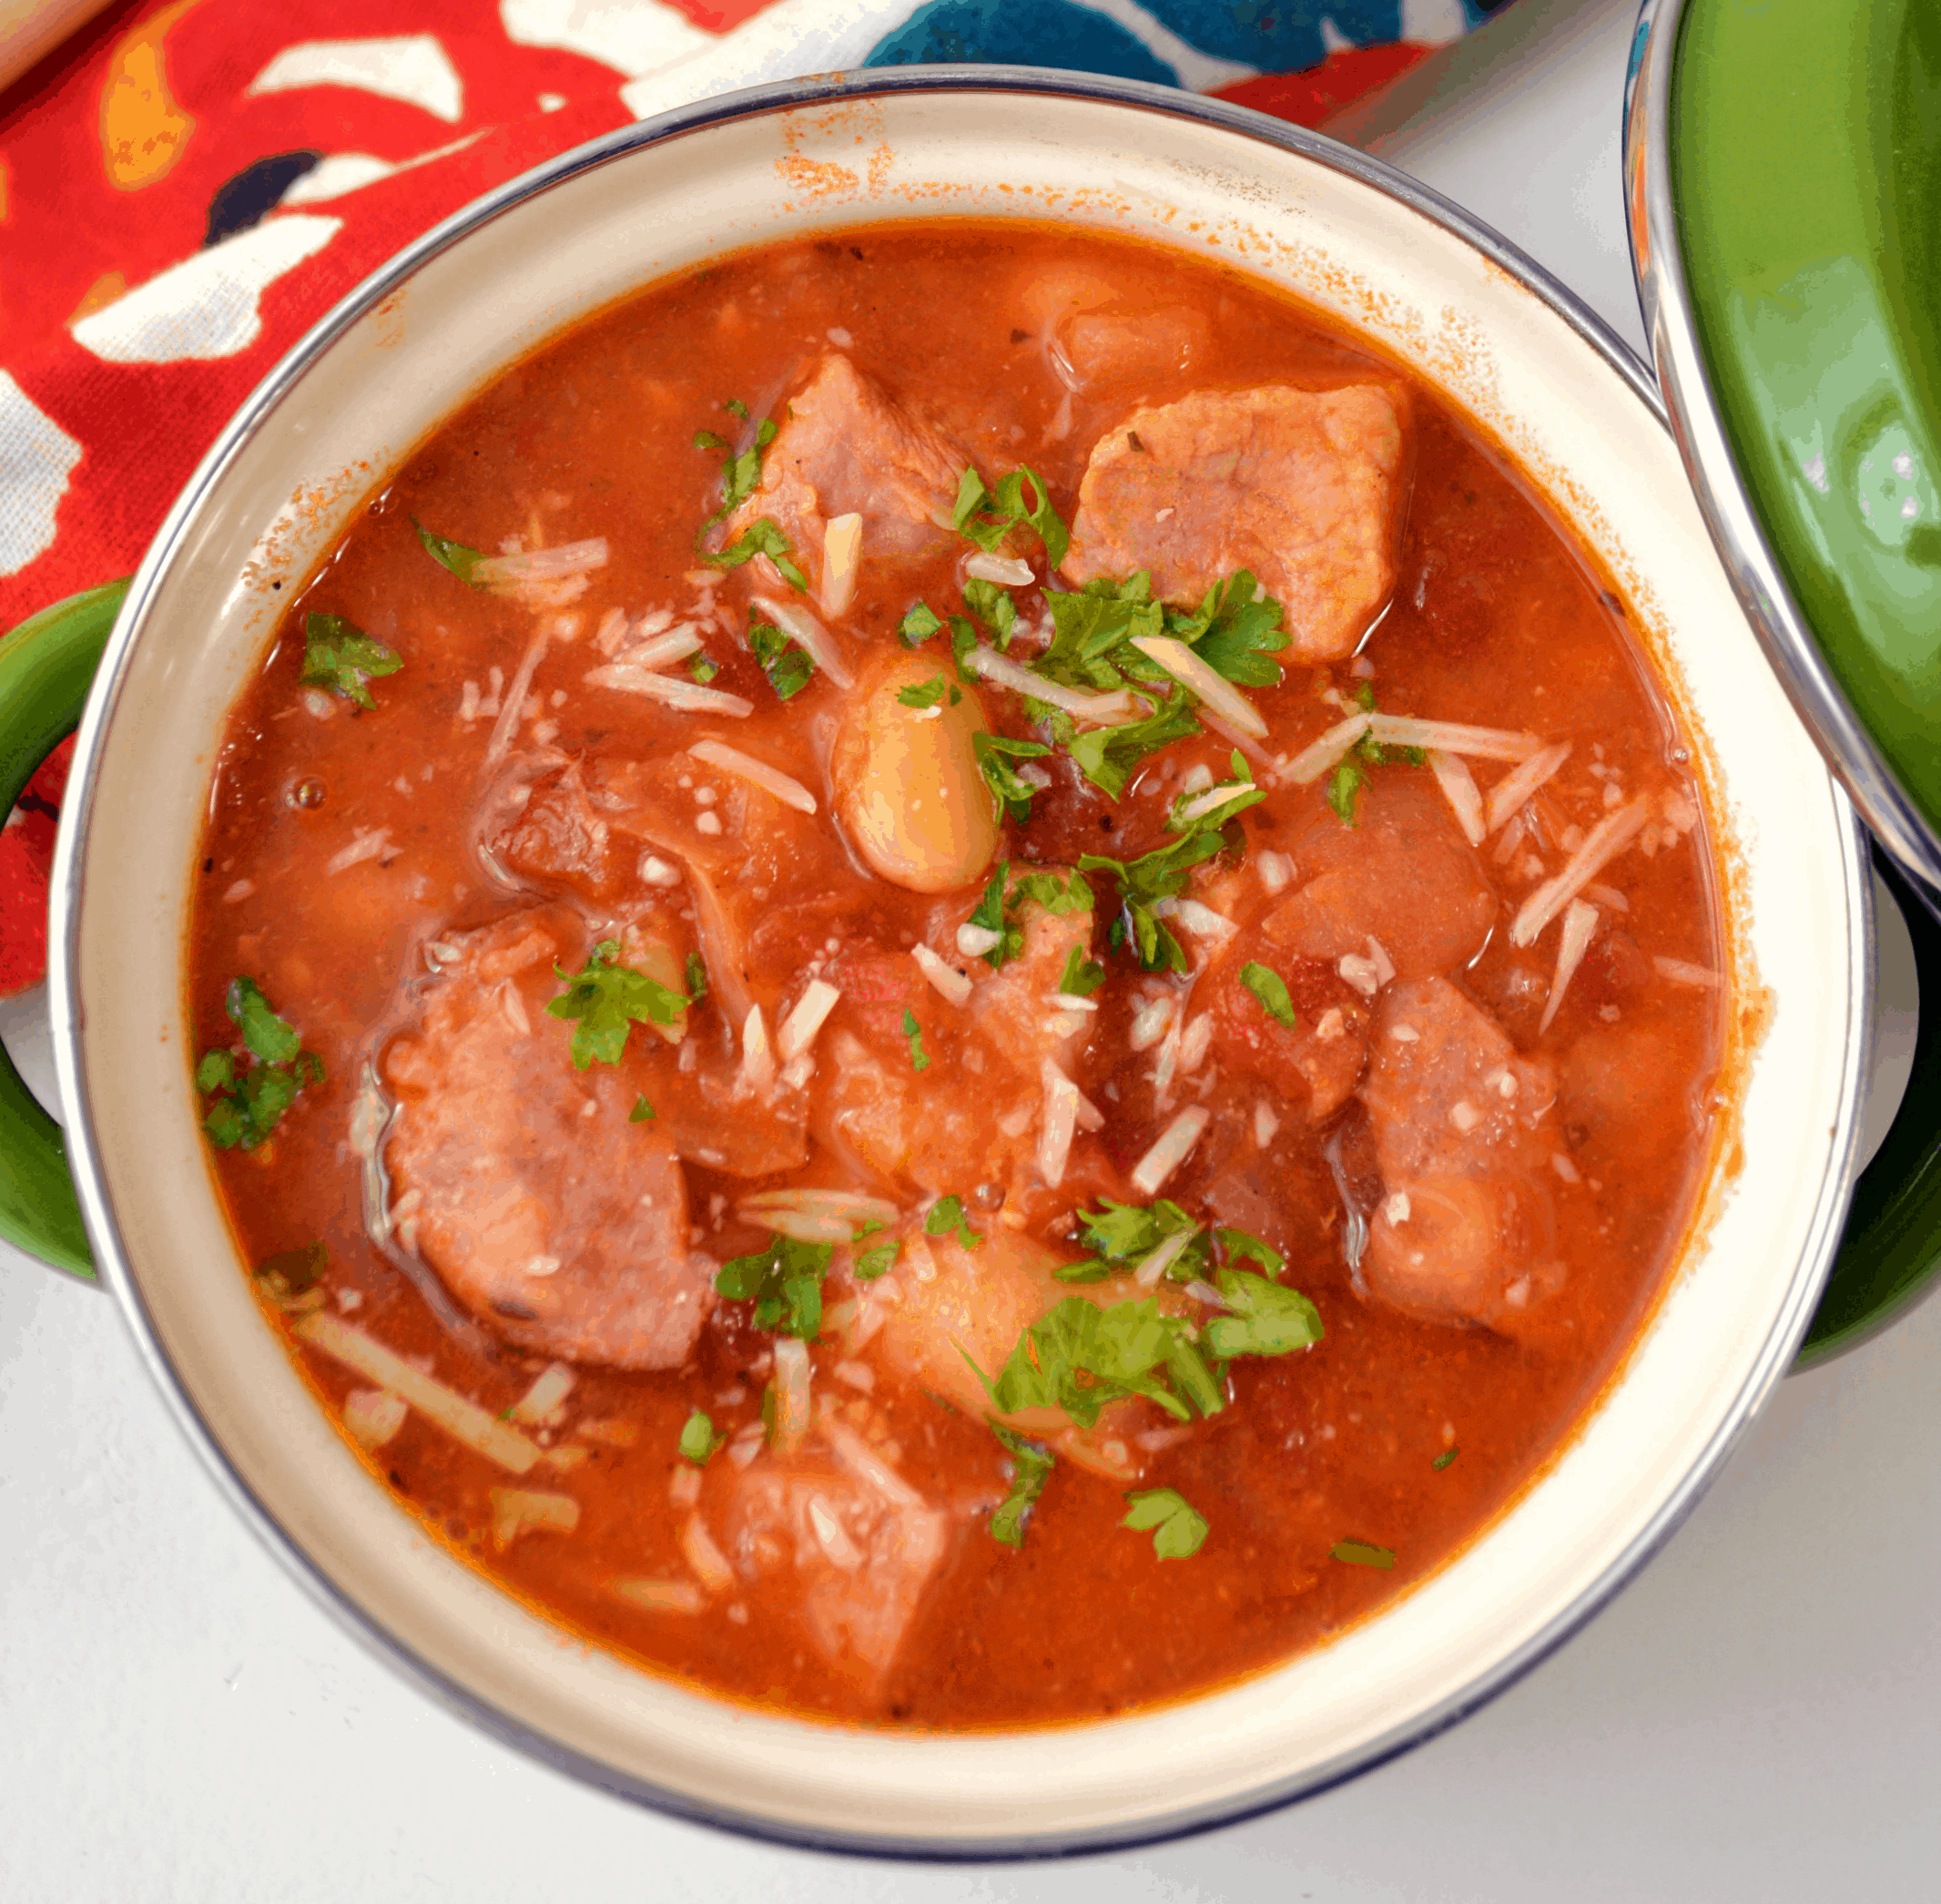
<point x="1304" y="488"/>
<point x="522" y="1182"/>
<point x="1466" y="1230"/>
<point x="847" y="445"/>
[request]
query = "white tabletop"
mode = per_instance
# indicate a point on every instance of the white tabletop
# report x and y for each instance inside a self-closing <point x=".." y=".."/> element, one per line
<point x="1758" y="1717"/>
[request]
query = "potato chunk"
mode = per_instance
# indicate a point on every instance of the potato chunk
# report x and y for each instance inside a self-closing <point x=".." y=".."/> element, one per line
<point x="1305" y="488"/>
<point x="522" y="1182"/>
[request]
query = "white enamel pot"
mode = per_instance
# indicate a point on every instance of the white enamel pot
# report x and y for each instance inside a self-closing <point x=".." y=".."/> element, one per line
<point x="1507" y="348"/>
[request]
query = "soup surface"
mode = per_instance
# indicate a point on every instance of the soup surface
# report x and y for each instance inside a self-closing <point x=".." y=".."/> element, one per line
<point x="955" y="978"/>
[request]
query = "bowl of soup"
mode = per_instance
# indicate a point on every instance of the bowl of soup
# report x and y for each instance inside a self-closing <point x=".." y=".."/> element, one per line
<point x="940" y="972"/>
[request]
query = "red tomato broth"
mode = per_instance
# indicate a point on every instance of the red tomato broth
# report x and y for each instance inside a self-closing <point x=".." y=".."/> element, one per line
<point x="1496" y="619"/>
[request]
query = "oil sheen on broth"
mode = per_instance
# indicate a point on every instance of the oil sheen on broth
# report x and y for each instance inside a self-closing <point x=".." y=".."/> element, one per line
<point x="955" y="978"/>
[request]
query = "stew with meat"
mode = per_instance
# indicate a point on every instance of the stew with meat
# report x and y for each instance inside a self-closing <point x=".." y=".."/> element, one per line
<point x="956" y="976"/>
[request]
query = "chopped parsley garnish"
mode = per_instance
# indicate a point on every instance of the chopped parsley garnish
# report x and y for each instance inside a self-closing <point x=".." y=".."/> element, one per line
<point x="995" y="752"/>
<point x="1234" y="630"/>
<point x="1364" y="697"/>
<point x="608" y="999"/>
<point x="453" y="555"/>
<point x="787" y="667"/>
<point x="1444" y="1459"/>
<point x="741" y="472"/>
<point x="1082" y="976"/>
<point x="1240" y="790"/>
<point x="991" y="605"/>
<point x="1270" y="989"/>
<point x="1123" y="1234"/>
<point x="986" y="516"/>
<point x="919" y="1058"/>
<point x="1154" y="876"/>
<point x="917" y="626"/>
<point x="927" y="694"/>
<point x="1030" y="1468"/>
<point x="1363" y="1553"/>
<point x="996" y="912"/>
<point x="339" y="656"/>
<point x="1344" y="784"/>
<point x="783" y="1282"/>
<point x="947" y="1214"/>
<point x="1106" y="756"/>
<point x="249" y="1100"/>
<point x="697" y="978"/>
<point x="869" y="1264"/>
<point x="1078" y="1357"/>
<point x="1092" y="630"/>
<point x="702" y="669"/>
<point x="763" y="536"/>
<point x="642" y="1109"/>
<point x="1263" y="1317"/>
<point x="1178" y="1532"/>
<point x="699" y="1439"/>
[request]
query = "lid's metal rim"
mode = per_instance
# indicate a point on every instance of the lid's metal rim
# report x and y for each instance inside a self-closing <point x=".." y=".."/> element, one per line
<point x="110" y="1248"/>
<point x="1690" y="404"/>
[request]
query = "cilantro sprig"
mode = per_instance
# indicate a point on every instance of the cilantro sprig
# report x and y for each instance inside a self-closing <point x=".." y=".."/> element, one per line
<point x="741" y="470"/>
<point x="247" y="1100"/>
<point x="1120" y="1235"/>
<point x="1082" y="976"/>
<point x="1262" y="1317"/>
<point x="929" y="693"/>
<point x="1178" y="1529"/>
<point x="1030" y="1468"/>
<point x="783" y="1282"/>
<point x="763" y="536"/>
<point x="454" y="555"/>
<point x="608" y="999"/>
<point x="339" y="656"/>
<point x="1270" y="989"/>
<point x="1234" y="630"/>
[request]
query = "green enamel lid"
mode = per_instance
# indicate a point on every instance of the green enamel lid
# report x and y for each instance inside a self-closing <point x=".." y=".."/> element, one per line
<point x="1803" y="163"/>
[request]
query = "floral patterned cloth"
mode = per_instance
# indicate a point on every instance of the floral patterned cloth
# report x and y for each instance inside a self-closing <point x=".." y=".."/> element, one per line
<point x="188" y="183"/>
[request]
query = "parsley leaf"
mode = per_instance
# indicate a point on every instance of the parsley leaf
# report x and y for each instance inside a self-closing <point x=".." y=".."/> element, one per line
<point x="702" y="669"/>
<point x="1060" y="895"/>
<point x="1232" y="632"/>
<point x="642" y="1109"/>
<point x="1078" y="1357"/>
<point x="697" y="978"/>
<point x="1240" y="790"/>
<point x="1270" y="989"/>
<point x="947" y="1214"/>
<point x="1030" y="1468"/>
<point x="248" y="1101"/>
<point x="741" y="472"/>
<point x="1123" y="1234"/>
<point x="995" y="752"/>
<point x="787" y="667"/>
<point x="1093" y="629"/>
<point x="927" y="694"/>
<point x="453" y="555"/>
<point x="990" y="604"/>
<point x="763" y="536"/>
<point x="783" y="1282"/>
<point x="1178" y="1532"/>
<point x="986" y="516"/>
<point x="1082" y="976"/>
<point x="699" y="1439"/>
<point x="1106" y="756"/>
<point x="1263" y="1317"/>
<point x="1342" y="786"/>
<point x="917" y="626"/>
<point x="869" y="1264"/>
<point x="1142" y="883"/>
<point x="1363" y="1553"/>
<point x="1244" y="1246"/>
<point x="608" y="999"/>
<point x="291" y="1272"/>
<point x="1444" y="1459"/>
<point x="339" y="656"/>
<point x="919" y="1057"/>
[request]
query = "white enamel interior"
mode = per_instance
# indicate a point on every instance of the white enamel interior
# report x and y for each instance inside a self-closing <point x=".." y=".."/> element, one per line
<point x="203" y="608"/>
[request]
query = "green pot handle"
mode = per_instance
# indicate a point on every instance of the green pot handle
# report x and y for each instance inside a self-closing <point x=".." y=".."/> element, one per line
<point x="1890" y="1253"/>
<point x="1889" y="1256"/>
<point x="46" y="666"/>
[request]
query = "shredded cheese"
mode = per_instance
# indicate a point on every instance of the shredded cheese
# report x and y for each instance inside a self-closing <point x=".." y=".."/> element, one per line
<point x="1170" y="1151"/>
